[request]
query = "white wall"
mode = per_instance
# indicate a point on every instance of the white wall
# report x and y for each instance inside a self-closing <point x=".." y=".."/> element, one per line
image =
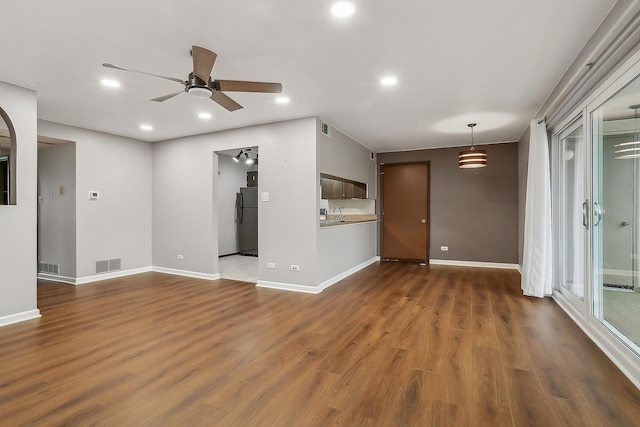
<point x="118" y="224"/>
<point x="185" y="200"/>
<point x="18" y="259"/>
<point x="231" y="177"/>
<point x="57" y="217"/>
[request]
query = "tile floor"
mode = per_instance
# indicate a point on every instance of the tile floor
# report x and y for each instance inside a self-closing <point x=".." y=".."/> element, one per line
<point x="239" y="267"/>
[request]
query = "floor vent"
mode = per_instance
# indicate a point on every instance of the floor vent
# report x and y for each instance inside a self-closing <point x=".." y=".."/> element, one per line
<point x="324" y="128"/>
<point x="106" y="265"/>
<point x="49" y="268"/>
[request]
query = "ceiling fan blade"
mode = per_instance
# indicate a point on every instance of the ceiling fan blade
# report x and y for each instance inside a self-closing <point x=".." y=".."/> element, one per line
<point x="115" y="67"/>
<point x="242" y="86"/>
<point x="225" y="101"/>
<point x="165" y="97"/>
<point x="203" y="60"/>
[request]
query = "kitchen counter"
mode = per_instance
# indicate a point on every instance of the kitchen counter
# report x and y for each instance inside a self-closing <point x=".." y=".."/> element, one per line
<point x="348" y="219"/>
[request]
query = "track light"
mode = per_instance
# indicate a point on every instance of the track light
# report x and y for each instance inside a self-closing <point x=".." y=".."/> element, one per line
<point x="236" y="158"/>
<point x="248" y="160"/>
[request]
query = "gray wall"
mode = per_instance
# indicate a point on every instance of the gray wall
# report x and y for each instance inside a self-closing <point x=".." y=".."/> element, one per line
<point x="18" y="258"/>
<point x="231" y="177"/>
<point x="57" y="216"/>
<point x="118" y="224"/>
<point x="473" y="211"/>
<point x="185" y="200"/>
<point x="339" y="155"/>
<point x="343" y="247"/>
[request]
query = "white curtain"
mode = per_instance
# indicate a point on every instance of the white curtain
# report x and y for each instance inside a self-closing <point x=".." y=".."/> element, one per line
<point x="536" y="262"/>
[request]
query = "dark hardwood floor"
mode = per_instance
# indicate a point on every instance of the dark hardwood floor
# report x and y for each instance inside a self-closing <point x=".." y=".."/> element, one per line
<point x="393" y="345"/>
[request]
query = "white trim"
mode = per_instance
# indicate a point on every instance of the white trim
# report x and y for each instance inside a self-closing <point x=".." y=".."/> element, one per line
<point x="347" y="273"/>
<point x="378" y="259"/>
<point x="185" y="273"/>
<point x="621" y="356"/>
<point x="519" y="268"/>
<point x="612" y="272"/>
<point x="475" y="264"/>
<point x="110" y="275"/>
<point x="53" y="278"/>
<point x="289" y="287"/>
<point x="19" y="317"/>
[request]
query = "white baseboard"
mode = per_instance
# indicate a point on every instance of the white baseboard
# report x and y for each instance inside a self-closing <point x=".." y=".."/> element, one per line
<point x="60" y="279"/>
<point x="111" y="275"/>
<point x="349" y="272"/>
<point x="502" y="265"/>
<point x="289" y="287"/>
<point x="185" y="273"/>
<point x="19" y="317"/>
<point x="322" y="286"/>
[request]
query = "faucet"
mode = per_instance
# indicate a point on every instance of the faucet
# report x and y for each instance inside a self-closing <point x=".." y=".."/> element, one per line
<point x="339" y="209"/>
<point x="339" y="217"/>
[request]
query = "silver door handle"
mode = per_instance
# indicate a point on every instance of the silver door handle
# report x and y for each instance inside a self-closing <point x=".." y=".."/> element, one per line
<point x="597" y="211"/>
<point x="624" y="223"/>
<point x="585" y="214"/>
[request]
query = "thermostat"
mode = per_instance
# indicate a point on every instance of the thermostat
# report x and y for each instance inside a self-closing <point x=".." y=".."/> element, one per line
<point x="94" y="195"/>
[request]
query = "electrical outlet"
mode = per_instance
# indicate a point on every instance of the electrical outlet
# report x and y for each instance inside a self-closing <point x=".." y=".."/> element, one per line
<point x="180" y="256"/>
<point x="271" y="265"/>
<point x="444" y="248"/>
<point x="295" y="267"/>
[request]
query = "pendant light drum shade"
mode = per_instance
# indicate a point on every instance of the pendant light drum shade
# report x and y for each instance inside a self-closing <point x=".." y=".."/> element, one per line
<point x="472" y="158"/>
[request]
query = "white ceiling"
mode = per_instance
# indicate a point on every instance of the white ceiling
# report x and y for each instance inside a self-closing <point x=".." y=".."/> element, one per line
<point x="490" y="61"/>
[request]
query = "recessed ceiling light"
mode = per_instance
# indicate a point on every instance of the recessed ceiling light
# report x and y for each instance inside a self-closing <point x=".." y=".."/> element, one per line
<point x="110" y="83"/>
<point x="388" y="80"/>
<point x="204" y="116"/>
<point x="146" y="127"/>
<point x="343" y="9"/>
<point x="282" y="100"/>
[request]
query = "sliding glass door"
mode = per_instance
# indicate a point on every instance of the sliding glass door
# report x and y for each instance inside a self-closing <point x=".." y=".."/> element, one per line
<point x="571" y="197"/>
<point x="615" y="213"/>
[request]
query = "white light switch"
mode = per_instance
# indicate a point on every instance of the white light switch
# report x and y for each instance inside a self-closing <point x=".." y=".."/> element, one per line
<point x="264" y="196"/>
<point x="94" y="195"/>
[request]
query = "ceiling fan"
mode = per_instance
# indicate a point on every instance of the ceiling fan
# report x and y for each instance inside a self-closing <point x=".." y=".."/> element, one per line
<point x="201" y="85"/>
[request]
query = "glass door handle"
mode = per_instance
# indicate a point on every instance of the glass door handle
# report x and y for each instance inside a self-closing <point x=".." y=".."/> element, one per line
<point x="597" y="212"/>
<point x="585" y="214"/>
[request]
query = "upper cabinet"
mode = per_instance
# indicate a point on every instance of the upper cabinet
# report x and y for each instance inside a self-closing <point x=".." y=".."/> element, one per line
<point x="334" y="187"/>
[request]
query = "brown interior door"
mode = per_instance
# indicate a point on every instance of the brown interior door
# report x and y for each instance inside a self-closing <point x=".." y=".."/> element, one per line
<point x="405" y="211"/>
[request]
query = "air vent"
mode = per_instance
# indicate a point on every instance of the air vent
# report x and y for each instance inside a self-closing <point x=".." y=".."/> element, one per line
<point x="324" y="128"/>
<point x="49" y="268"/>
<point x="106" y="265"/>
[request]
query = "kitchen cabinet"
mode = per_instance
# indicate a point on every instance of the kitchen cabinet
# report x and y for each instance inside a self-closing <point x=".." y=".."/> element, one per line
<point x="333" y="187"/>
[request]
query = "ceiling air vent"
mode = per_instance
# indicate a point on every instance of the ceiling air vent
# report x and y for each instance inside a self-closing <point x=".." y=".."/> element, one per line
<point x="324" y="128"/>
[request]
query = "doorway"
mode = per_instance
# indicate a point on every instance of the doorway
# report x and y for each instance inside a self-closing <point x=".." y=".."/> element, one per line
<point x="238" y="214"/>
<point x="405" y="211"/>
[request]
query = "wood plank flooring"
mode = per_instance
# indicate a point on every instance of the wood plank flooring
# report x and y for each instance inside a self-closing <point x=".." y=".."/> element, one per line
<point x="393" y="345"/>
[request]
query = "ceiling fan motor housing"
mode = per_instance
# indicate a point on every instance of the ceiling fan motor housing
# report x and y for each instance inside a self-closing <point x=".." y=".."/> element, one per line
<point x="197" y="87"/>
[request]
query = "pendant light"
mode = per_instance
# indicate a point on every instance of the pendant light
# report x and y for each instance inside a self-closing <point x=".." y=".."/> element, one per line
<point x="472" y="158"/>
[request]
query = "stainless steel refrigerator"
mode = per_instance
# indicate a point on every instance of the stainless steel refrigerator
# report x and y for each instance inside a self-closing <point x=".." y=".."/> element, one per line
<point x="247" y="220"/>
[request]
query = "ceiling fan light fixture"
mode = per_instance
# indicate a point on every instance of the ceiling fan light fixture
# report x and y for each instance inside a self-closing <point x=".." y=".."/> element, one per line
<point x="472" y="158"/>
<point x="199" y="92"/>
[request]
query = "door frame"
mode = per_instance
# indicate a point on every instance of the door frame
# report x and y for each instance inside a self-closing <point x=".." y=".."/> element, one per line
<point x="428" y="218"/>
